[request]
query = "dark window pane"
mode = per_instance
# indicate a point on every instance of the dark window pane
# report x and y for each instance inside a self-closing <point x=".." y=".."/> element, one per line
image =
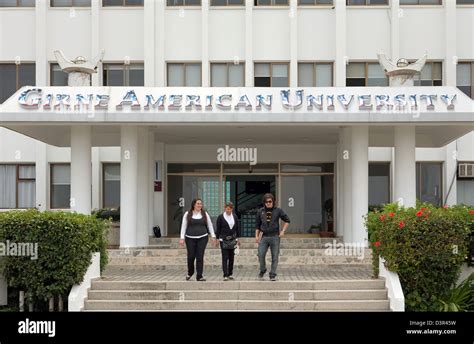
<point x="113" y="75"/>
<point x="8" y="3"/>
<point x="355" y="82"/>
<point x="262" y="82"/>
<point x="58" y="77"/>
<point x="136" y="75"/>
<point x="7" y="81"/>
<point x="27" y="75"/>
<point x="379" y="183"/>
<point x="182" y="168"/>
<point x="113" y="3"/>
<point x="134" y="2"/>
<point x="429" y="179"/>
<point x="175" y="2"/>
<point x="61" y="3"/>
<point x="301" y="168"/>
<point x="111" y="185"/>
<point x="466" y="90"/>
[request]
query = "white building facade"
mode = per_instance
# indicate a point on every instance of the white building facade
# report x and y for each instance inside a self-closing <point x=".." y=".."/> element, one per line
<point x="326" y="165"/>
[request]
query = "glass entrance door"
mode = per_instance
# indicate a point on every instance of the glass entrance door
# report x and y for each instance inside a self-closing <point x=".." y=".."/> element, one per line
<point x="246" y="192"/>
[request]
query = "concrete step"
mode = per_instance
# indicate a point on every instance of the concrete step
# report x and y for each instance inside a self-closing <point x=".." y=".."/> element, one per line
<point x="369" y="284"/>
<point x="242" y="305"/>
<point x="179" y="295"/>
<point x="287" y="239"/>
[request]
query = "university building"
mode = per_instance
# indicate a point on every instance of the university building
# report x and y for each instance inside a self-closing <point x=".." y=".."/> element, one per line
<point x="229" y="99"/>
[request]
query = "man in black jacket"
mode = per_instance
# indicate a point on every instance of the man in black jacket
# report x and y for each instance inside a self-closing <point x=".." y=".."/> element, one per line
<point x="268" y="233"/>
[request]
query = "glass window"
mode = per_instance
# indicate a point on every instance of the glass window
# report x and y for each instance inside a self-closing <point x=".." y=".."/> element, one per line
<point x="227" y="75"/>
<point x="57" y="76"/>
<point x="420" y="2"/>
<point x="431" y="75"/>
<point x="198" y="168"/>
<point x="13" y="76"/>
<point x="271" y="2"/>
<point x="465" y="191"/>
<point x="184" y="74"/>
<point x="314" y="2"/>
<point x="111" y="190"/>
<point x="115" y="74"/>
<point x="17" y="3"/>
<point x="60" y="186"/>
<point x="365" y="74"/>
<point x="227" y="2"/>
<point x="366" y="2"/>
<point x="247" y="168"/>
<point x="429" y="182"/>
<point x="379" y="183"/>
<point x="307" y="168"/>
<point x="271" y="75"/>
<point x="315" y="74"/>
<point x="17" y="186"/>
<point x="183" y="2"/>
<point x="122" y="3"/>
<point x="464" y="77"/>
<point x="465" y="2"/>
<point x="313" y="210"/>
<point x="70" y="3"/>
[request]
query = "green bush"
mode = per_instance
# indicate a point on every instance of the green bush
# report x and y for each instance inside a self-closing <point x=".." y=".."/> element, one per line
<point x="459" y="298"/>
<point x="66" y="242"/>
<point x="425" y="246"/>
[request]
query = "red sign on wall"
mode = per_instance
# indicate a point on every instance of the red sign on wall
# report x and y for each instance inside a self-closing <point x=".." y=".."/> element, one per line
<point x="157" y="186"/>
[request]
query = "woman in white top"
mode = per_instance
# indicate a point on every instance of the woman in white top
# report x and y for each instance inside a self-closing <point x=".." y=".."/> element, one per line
<point x="195" y="230"/>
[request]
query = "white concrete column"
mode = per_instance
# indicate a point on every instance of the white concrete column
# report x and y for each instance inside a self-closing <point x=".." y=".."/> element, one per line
<point x="96" y="78"/>
<point x="395" y="29"/>
<point x="143" y="187"/>
<point x="96" y="179"/>
<point x="359" y="157"/>
<point x="293" y="43"/>
<point x="347" y="183"/>
<point x="249" y="43"/>
<point x="341" y="53"/>
<point x="41" y="8"/>
<point x="128" y="185"/>
<point x="450" y="170"/>
<point x="81" y="169"/>
<point x="149" y="41"/>
<point x="160" y="211"/>
<point x="405" y="166"/>
<point x="41" y="169"/>
<point x="339" y="188"/>
<point x="160" y="31"/>
<point x="205" y="42"/>
<point x="151" y="182"/>
<point x="450" y="43"/>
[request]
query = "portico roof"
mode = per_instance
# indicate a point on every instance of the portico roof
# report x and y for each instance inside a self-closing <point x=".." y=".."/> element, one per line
<point x="231" y="115"/>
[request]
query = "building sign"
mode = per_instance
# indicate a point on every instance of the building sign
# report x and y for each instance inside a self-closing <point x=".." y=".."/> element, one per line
<point x="202" y="100"/>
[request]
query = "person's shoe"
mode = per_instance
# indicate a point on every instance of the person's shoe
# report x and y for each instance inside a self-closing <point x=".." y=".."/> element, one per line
<point x="188" y="277"/>
<point x="231" y="277"/>
<point x="202" y="279"/>
<point x="261" y="274"/>
<point x="226" y="278"/>
<point x="273" y="278"/>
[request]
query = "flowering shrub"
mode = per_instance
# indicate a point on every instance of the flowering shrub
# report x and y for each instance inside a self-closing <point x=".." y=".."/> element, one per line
<point x="424" y="245"/>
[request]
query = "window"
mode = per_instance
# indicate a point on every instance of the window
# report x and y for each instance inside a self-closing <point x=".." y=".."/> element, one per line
<point x="465" y="77"/>
<point x="183" y="2"/>
<point x="17" y="3"/>
<point x="227" y="74"/>
<point x="57" y="76"/>
<point x="13" y="76"/>
<point x="184" y="74"/>
<point x="315" y="74"/>
<point x="420" y="2"/>
<point x="366" y="2"/>
<point x="379" y="183"/>
<point x="365" y="74"/>
<point x="123" y="75"/>
<point x="122" y="3"/>
<point x="465" y="2"/>
<point x="314" y="2"/>
<point x="271" y="2"/>
<point x="70" y="3"/>
<point x="17" y="186"/>
<point x="111" y="185"/>
<point x="271" y="74"/>
<point x="431" y="75"/>
<point x="60" y="186"/>
<point x="227" y="2"/>
<point x="429" y="182"/>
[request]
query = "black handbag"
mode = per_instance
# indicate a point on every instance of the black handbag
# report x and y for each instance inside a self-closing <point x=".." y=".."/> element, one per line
<point x="229" y="242"/>
<point x="157" y="231"/>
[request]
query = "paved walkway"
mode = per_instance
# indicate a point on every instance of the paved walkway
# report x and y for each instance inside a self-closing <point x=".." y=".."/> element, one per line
<point x="246" y="274"/>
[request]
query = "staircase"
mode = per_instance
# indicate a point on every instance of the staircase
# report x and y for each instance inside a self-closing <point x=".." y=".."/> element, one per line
<point x="152" y="279"/>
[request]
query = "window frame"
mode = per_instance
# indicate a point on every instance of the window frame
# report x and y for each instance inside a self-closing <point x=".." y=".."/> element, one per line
<point x="471" y="63"/>
<point x="440" y="3"/>
<point x="184" y="4"/>
<point x="104" y="164"/>
<point x="72" y="4"/>
<point x="418" y="184"/>
<point x="390" y="177"/>
<point x="366" y="4"/>
<point x="271" y="63"/>
<point x="18" y="180"/>
<point x="17" y="73"/>
<point x="366" y="71"/>
<point x="184" y="64"/>
<point x="124" y="4"/>
<point x="227" y="64"/>
<point x="18" y="5"/>
<point x="315" y="63"/>
<point x="227" y="4"/>
<point x="51" y="174"/>
<point x="315" y="4"/>
<point x="431" y="62"/>
<point x="126" y="72"/>
<point x="272" y="4"/>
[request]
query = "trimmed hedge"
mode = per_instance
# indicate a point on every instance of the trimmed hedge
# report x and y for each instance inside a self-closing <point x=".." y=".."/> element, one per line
<point x="66" y="242"/>
<point x="425" y="246"/>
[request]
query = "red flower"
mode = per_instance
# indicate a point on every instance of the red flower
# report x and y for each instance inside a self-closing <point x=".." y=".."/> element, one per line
<point x="401" y="224"/>
<point x="472" y="211"/>
<point x="419" y="213"/>
<point x="382" y="218"/>
<point x="423" y="209"/>
<point x="446" y="206"/>
<point x="377" y="243"/>
<point x="391" y="214"/>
